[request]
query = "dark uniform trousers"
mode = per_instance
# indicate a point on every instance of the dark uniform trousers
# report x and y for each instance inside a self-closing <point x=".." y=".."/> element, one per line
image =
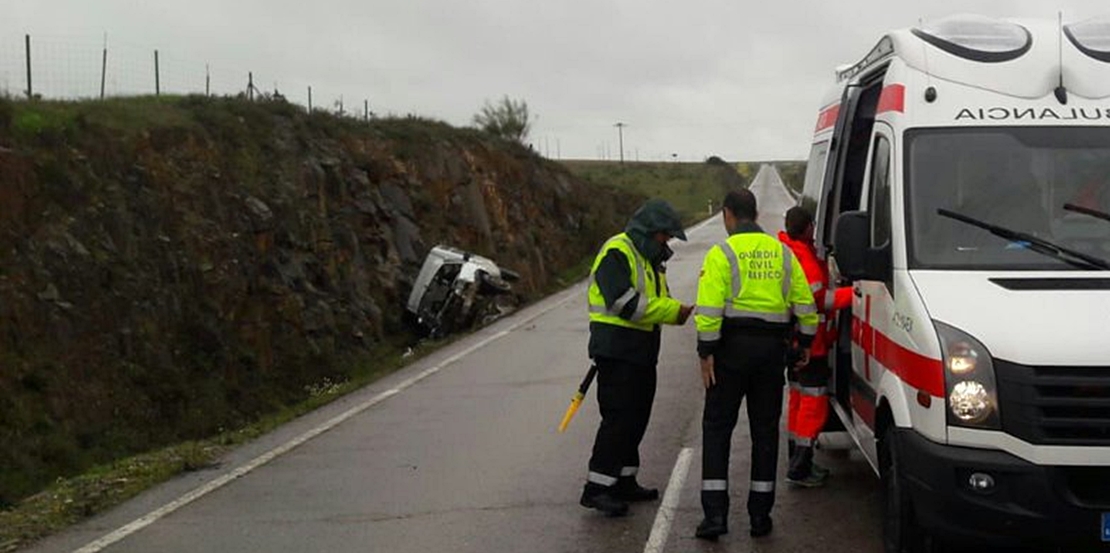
<point x="625" y="393"/>
<point x="748" y="363"/>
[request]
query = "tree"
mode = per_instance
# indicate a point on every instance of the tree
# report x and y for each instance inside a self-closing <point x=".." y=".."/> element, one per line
<point x="508" y="119"/>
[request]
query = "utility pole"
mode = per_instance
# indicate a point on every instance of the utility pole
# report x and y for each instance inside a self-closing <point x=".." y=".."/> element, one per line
<point x="620" y="135"/>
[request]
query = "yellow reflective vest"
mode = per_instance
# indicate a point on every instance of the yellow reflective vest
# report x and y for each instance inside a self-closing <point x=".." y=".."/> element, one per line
<point x="753" y="276"/>
<point x="648" y="291"/>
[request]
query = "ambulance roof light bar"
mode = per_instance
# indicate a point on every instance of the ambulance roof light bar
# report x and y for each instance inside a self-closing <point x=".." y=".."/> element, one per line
<point x="977" y="38"/>
<point x="1092" y="37"/>
<point x="883" y="49"/>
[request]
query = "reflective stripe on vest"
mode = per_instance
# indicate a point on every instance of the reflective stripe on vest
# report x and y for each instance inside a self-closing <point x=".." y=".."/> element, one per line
<point x="611" y="315"/>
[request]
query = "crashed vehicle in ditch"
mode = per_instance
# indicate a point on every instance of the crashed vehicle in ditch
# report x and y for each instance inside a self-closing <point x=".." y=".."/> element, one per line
<point x="457" y="290"/>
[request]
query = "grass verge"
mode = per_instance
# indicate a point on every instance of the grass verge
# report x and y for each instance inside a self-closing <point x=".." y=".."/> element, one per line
<point x="793" y="175"/>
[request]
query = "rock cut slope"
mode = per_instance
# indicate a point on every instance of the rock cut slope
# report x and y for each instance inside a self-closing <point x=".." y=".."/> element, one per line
<point x="170" y="267"/>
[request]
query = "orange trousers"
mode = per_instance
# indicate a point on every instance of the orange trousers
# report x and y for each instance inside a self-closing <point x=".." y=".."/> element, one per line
<point x="807" y="408"/>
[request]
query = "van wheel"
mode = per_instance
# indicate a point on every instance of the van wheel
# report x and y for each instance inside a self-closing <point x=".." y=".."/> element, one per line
<point x="901" y="534"/>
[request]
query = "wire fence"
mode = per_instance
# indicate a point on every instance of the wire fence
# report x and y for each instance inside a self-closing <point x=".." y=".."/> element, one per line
<point x="65" y="67"/>
<point x="69" y="68"/>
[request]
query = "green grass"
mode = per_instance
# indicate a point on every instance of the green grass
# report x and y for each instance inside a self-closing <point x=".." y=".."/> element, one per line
<point x="793" y="174"/>
<point x="689" y="187"/>
<point x="125" y="115"/>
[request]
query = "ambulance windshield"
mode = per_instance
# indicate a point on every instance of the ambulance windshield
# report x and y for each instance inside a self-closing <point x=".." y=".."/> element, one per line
<point x="1018" y="178"/>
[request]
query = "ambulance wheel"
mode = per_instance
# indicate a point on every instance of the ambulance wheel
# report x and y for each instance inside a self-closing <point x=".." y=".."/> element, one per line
<point x="901" y="534"/>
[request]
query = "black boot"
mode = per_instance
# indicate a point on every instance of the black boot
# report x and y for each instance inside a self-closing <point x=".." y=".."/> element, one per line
<point x="801" y="471"/>
<point x="791" y="445"/>
<point x="627" y="489"/>
<point x="602" y="498"/>
<point x="712" y="527"/>
<point x="715" y="505"/>
<point x="761" y="525"/>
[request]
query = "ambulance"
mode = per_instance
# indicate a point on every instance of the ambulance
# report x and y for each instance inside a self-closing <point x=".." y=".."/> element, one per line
<point x="960" y="180"/>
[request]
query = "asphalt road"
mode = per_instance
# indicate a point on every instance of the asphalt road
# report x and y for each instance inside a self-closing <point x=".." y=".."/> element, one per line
<point x="459" y="452"/>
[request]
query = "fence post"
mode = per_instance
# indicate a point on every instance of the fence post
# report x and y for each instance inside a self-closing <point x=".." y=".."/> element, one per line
<point x="103" y="69"/>
<point x="30" y="89"/>
<point x="207" y="81"/>
<point x="157" y="76"/>
<point x="366" y="110"/>
<point x="250" y="86"/>
<point x="310" y="99"/>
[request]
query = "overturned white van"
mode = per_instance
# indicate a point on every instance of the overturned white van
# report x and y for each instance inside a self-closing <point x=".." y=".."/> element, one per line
<point x="958" y="176"/>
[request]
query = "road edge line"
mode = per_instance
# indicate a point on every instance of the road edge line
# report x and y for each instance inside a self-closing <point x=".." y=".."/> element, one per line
<point x="665" y="516"/>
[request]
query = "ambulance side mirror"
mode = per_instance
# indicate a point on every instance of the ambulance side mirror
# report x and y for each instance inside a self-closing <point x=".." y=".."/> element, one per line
<point x="855" y="257"/>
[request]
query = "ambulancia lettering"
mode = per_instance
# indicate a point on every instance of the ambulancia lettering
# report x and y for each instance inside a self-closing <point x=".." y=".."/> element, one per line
<point x="1033" y="114"/>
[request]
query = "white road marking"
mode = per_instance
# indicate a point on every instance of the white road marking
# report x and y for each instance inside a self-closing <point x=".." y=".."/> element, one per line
<point x="665" y="516"/>
<point x="242" y="470"/>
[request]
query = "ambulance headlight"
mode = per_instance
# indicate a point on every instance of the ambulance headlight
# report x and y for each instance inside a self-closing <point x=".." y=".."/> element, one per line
<point x="977" y="38"/>
<point x="969" y="379"/>
<point x="970" y="402"/>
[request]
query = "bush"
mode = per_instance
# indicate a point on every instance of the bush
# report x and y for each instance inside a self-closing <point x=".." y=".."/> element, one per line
<point x="507" y="119"/>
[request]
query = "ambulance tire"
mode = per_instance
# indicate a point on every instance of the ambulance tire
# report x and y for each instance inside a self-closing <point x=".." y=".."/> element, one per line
<point x="901" y="533"/>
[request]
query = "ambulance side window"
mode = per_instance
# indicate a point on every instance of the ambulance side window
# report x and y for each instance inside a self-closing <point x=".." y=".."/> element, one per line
<point x="879" y="201"/>
<point x="815" y="177"/>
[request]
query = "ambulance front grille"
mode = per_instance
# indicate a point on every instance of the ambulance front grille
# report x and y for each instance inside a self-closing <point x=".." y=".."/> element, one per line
<point x="1055" y="405"/>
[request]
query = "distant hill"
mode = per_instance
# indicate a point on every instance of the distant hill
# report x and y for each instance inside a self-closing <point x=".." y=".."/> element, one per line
<point x="689" y="187"/>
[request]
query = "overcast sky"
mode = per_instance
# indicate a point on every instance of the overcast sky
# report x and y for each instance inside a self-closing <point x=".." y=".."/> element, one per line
<point x="741" y="79"/>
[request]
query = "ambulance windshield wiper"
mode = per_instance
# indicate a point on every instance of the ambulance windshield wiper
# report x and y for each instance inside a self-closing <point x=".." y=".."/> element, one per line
<point x="1039" y="245"/>
<point x="1088" y="211"/>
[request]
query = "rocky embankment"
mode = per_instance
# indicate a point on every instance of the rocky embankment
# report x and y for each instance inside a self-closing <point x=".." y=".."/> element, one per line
<point x="172" y="267"/>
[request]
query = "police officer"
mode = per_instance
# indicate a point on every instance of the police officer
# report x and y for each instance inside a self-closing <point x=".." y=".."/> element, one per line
<point x="628" y="300"/>
<point x="808" y="406"/>
<point x="751" y="288"/>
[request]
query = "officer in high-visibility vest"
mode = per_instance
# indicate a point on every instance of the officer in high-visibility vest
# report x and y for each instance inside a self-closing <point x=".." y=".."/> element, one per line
<point x="750" y="290"/>
<point x="628" y="300"/>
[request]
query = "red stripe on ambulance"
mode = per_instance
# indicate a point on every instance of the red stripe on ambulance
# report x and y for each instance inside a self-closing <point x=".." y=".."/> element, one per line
<point x="916" y="370"/>
<point x="893" y="98"/>
<point x="827" y="118"/>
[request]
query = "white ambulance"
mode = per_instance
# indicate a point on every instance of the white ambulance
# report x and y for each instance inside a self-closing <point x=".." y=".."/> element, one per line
<point x="960" y="178"/>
